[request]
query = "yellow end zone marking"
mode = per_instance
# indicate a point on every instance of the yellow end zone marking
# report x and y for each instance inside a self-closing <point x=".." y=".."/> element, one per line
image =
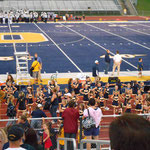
<point x="27" y="37"/>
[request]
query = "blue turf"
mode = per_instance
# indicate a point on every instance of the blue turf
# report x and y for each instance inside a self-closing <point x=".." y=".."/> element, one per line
<point x="81" y="51"/>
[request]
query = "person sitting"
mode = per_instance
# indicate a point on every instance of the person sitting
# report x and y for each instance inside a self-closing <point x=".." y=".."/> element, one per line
<point x="130" y="132"/>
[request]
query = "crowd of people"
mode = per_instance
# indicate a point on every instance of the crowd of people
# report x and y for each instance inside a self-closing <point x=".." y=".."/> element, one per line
<point x="72" y="102"/>
<point x="24" y="15"/>
<point x="80" y="98"/>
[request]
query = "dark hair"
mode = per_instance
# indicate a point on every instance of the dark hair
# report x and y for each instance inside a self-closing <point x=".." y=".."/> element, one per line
<point x="140" y="59"/>
<point x="31" y="138"/>
<point x="130" y="132"/>
<point x="118" y="81"/>
<point x="12" y="79"/>
<point x="71" y="103"/>
<point x="92" y="102"/>
<point x="23" y="117"/>
<point x="70" y="80"/>
<point x="35" y="58"/>
<point x="117" y="52"/>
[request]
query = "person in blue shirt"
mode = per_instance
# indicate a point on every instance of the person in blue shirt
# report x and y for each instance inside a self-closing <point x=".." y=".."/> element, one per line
<point x="95" y="70"/>
<point x="107" y="61"/>
<point x="140" y="67"/>
<point x="40" y="61"/>
<point x="37" y="113"/>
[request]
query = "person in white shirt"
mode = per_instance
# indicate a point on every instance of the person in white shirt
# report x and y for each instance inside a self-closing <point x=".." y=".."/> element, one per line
<point x="15" y="134"/>
<point x="96" y="114"/>
<point x="117" y="62"/>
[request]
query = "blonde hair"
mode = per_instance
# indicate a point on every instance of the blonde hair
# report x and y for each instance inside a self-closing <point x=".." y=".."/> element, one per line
<point x="3" y="137"/>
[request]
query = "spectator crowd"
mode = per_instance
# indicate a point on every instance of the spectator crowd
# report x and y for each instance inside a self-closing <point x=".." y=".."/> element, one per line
<point x="78" y="99"/>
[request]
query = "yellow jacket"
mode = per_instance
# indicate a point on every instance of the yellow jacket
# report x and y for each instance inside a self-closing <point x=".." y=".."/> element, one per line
<point x="61" y="142"/>
<point x="36" y="65"/>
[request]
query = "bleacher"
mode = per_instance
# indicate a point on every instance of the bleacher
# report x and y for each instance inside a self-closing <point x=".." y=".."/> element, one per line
<point x="62" y="5"/>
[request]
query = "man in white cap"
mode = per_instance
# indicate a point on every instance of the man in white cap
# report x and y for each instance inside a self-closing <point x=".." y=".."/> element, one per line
<point x="95" y="70"/>
<point x="37" y="113"/>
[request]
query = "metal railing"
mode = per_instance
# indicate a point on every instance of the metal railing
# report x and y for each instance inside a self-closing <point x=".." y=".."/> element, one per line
<point x="97" y="142"/>
<point x="53" y="118"/>
<point x="65" y="141"/>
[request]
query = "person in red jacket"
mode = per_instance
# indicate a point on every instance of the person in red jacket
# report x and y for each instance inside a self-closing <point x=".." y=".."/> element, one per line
<point x="70" y="116"/>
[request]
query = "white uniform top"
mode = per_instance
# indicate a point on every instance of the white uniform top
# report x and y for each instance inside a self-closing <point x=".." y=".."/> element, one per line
<point x="17" y="15"/>
<point x="117" y="58"/>
<point x="35" y="14"/>
<point x="6" y="15"/>
<point x="31" y="15"/>
<point x="45" y="15"/>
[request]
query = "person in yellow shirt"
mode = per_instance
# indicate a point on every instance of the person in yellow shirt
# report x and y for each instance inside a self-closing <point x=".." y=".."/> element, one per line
<point x="61" y="135"/>
<point x="36" y="68"/>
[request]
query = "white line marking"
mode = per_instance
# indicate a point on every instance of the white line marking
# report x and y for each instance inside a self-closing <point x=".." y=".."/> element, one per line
<point x="134" y="30"/>
<point x="141" y="24"/>
<point x="97" y="44"/>
<point x="44" y="37"/>
<point x="14" y="44"/>
<point x="119" y="36"/>
<point x="58" y="47"/>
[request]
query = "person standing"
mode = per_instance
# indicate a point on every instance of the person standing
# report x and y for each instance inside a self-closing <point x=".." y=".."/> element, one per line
<point x="96" y="114"/>
<point x="54" y="104"/>
<point x="140" y="67"/>
<point x="37" y="113"/>
<point x="117" y="62"/>
<point x="40" y="62"/>
<point x="107" y="61"/>
<point x="36" y="69"/>
<point x="95" y="70"/>
<point x="70" y="116"/>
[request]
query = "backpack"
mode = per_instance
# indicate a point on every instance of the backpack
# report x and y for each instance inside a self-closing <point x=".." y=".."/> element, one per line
<point x="88" y="122"/>
<point x="11" y="111"/>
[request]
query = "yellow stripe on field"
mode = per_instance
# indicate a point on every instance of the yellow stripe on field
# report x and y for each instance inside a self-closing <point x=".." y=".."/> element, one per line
<point x="104" y="79"/>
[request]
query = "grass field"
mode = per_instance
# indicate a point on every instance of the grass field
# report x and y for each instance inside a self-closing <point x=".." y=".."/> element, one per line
<point x="143" y="7"/>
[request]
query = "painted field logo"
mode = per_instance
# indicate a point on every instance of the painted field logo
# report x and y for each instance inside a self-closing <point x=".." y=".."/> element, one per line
<point x="20" y="37"/>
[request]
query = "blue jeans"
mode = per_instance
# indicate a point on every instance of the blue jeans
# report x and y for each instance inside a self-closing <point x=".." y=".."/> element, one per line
<point x="107" y="67"/>
<point x="53" y="110"/>
<point x="69" y="143"/>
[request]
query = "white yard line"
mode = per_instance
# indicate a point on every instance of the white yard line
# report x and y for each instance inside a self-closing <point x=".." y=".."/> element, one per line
<point x="148" y="48"/>
<point x="134" y="30"/>
<point x="97" y="44"/>
<point x="58" y="47"/>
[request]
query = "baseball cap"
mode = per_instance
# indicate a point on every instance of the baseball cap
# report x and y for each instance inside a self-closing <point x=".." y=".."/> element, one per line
<point x="96" y="61"/>
<point x="15" y="133"/>
<point x="39" y="105"/>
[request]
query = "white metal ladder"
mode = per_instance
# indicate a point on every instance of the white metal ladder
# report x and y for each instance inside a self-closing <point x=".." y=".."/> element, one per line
<point x="22" y="71"/>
